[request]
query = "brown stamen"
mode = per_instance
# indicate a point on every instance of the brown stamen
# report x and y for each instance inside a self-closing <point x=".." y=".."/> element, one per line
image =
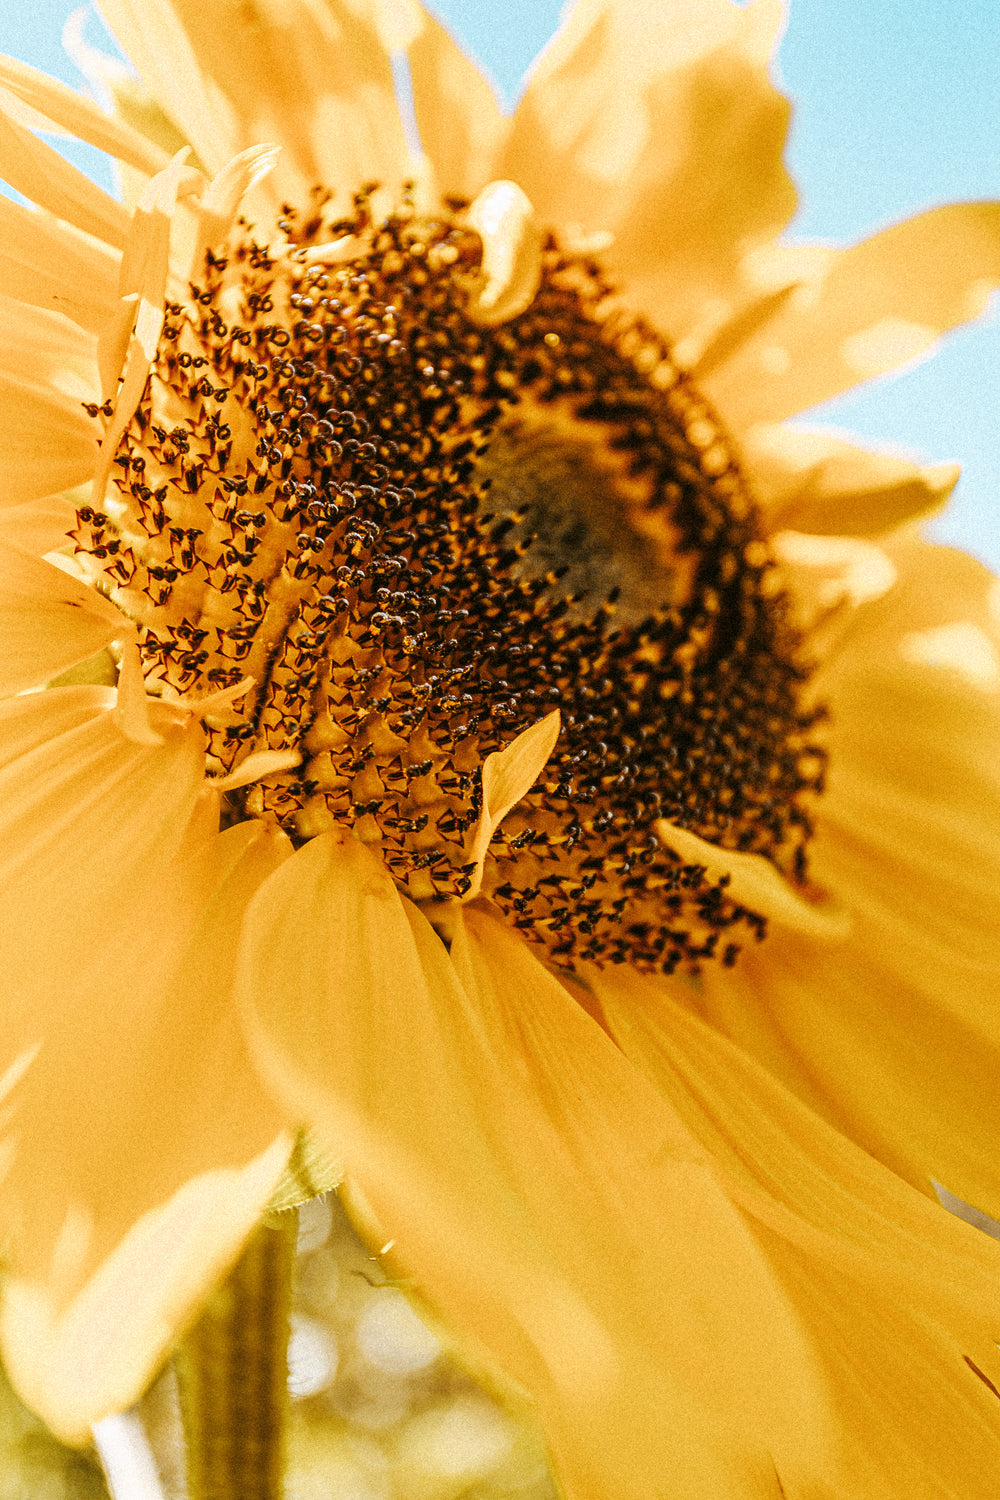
<point x="419" y="535"/>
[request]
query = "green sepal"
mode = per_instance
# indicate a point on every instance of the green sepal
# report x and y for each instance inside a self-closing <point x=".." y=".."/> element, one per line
<point x="309" y="1173"/>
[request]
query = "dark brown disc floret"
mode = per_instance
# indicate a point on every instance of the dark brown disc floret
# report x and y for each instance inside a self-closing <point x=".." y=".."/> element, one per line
<point x="418" y="536"/>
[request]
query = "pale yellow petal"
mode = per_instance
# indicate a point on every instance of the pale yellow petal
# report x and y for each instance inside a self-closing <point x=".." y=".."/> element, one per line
<point x="816" y="480"/>
<point x="48" y="621"/>
<point x="657" y="122"/>
<point x="61" y="107"/>
<point x="900" y="1298"/>
<point x="41" y="174"/>
<point x="893" y="1036"/>
<point x="74" y="1365"/>
<point x="457" y="112"/>
<point x="55" y="267"/>
<point x="872" y="308"/>
<point x="145" y="1149"/>
<point x="312" y="77"/>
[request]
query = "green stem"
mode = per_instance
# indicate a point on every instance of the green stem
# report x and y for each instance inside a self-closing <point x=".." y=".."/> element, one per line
<point x="232" y="1374"/>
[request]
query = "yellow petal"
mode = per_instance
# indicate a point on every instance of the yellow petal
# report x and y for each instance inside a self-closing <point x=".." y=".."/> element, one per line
<point x="41" y="174"/>
<point x="48" y="352"/>
<point x="815" y="480"/>
<point x="55" y="267"/>
<point x="49" y="621"/>
<point x="755" y="883"/>
<point x="458" y="116"/>
<point x="312" y="77"/>
<point x="128" y="346"/>
<point x="658" y="122"/>
<point x="39" y="526"/>
<point x="508" y="775"/>
<point x="893" y="1035"/>
<point x="47" y="371"/>
<point x="538" y="1193"/>
<point x="49" y="443"/>
<point x="76" y="1364"/>
<point x="145" y="1149"/>
<point x="900" y="1298"/>
<point x="870" y="309"/>
<point x="57" y="105"/>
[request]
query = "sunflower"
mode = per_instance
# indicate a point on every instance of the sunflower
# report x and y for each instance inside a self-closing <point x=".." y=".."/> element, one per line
<point x="479" y="733"/>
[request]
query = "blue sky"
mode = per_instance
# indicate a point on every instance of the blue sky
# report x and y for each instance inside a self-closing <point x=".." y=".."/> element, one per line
<point x="897" y="108"/>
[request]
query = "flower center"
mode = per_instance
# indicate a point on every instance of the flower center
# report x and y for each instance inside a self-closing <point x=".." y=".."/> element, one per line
<point x="419" y="535"/>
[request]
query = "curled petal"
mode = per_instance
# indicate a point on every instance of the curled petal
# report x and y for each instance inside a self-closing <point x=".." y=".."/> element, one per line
<point x="512" y="253"/>
<point x="755" y="883"/>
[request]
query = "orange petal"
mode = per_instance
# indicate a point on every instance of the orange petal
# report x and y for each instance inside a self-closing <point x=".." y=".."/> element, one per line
<point x="893" y="1036"/>
<point x="658" y="122"/>
<point x="144" y="1148"/>
<point x="867" y="310"/>
<point x="49" y="621"/>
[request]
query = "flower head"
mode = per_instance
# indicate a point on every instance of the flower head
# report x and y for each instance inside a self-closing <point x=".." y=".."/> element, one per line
<point x="494" y="752"/>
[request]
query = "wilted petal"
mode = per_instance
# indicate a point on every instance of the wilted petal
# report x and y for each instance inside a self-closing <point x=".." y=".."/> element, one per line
<point x="871" y="308"/>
